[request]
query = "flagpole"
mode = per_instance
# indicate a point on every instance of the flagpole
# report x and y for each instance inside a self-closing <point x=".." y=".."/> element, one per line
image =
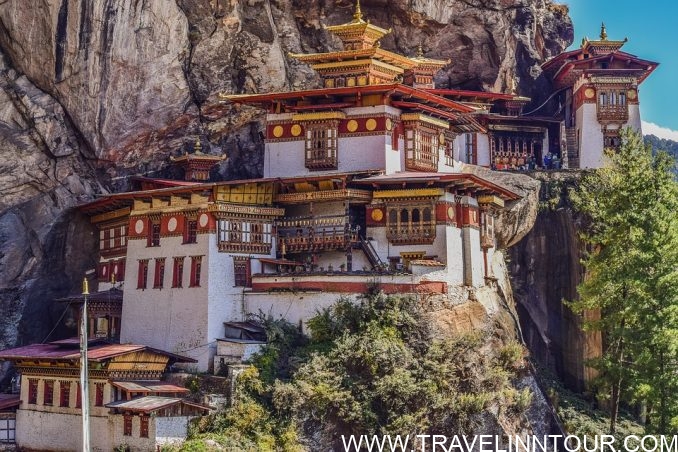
<point x="84" y="390"/>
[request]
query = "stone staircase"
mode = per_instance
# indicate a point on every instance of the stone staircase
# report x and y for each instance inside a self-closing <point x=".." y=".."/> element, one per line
<point x="571" y="147"/>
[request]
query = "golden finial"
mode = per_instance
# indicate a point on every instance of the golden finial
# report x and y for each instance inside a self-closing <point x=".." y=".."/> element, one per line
<point x="514" y="85"/>
<point x="358" y="15"/>
<point x="85" y="286"/>
<point x="420" y="51"/>
<point x="603" y="32"/>
<point x="198" y="147"/>
<point x="113" y="278"/>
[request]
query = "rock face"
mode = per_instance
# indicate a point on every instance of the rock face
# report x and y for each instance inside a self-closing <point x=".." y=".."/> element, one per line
<point x="92" y="91"/>
<point x="545" y="270"/>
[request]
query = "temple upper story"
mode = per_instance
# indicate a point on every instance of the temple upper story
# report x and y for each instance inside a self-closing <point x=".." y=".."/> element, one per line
<point x="363" y="62"/>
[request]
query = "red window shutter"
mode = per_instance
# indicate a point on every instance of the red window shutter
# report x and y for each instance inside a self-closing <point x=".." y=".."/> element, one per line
<point x="99" y="395"/>
<point x="127" y="425"/>
<point x="142" y="277"/>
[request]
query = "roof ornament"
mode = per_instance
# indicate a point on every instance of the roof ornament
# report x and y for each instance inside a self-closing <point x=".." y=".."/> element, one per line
<point x="603" y="32"/>
<point x="420" y="51"/>
<point x="358" y="15"/>
<point x="197" y="148"/>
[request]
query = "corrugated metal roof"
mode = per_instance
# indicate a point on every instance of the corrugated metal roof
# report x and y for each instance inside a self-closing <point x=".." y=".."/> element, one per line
<point x="148" y="404"/>
<point x="9" y="401"/>
<point x="148" y="386"/>
<point x="145" y="404"/>
<point x="69" y="350"/>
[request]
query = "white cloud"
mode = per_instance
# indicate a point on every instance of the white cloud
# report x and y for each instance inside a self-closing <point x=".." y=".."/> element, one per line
<point x="650" y="128"/>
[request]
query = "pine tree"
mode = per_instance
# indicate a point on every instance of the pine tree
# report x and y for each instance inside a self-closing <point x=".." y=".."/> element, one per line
<point x="632" y="268"/>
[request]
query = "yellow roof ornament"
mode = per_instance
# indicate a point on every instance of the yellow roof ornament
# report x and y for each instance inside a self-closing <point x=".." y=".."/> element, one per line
<point x="358" y="15"/>
<point x="603" y="32"/>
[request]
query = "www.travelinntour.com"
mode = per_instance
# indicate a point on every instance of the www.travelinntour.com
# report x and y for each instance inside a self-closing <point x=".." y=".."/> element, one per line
<point x="525" y="443"/>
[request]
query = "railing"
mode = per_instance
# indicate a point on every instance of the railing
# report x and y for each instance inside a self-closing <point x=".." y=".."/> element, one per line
<point x="244" y="247"/>
<point x="319" y="159"/>
<point x="421" y="164"/>
<point x="416" y="233"/>
<point x="371" y="254"/>
<point x="613" y="113"/>
<point x="319" y="233"/>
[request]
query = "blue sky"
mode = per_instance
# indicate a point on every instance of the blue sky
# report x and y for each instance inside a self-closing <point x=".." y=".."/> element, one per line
<point x="652" y="29"/>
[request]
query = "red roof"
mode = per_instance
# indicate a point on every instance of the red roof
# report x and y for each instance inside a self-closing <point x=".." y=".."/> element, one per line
<point x="149" y="386"/>
<point x="149" y="404"/>
<point x="164" y="182"/>
<point x="419" y="177"/>
<point x="9" y="401"/>
<point x="391" y="89"/>
<point x="67" y="351"/>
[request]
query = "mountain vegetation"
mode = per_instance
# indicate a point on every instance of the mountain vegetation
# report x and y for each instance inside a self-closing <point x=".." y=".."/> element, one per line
<point x="632" y="265"/>
<point x="662" y="144"/>
<point x="371" y="367"/>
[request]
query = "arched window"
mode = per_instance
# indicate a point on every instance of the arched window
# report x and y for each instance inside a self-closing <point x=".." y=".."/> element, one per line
<point x="427" y="214"/>
<point x="415" y="216"/>
<point x="392" y="216"/>
<point x="404" y="216"/>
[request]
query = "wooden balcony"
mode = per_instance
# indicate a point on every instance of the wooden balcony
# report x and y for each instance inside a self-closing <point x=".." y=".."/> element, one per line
<point x="321" y="163"/>
<point x="421" y="164"/>
<point x="238" y="247"/>
<point x="412" y="234"/>
<point x="617" y="113"/>
<point x="308" y="243"/>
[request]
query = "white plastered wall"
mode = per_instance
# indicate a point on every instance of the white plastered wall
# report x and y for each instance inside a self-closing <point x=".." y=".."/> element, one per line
<point x="171" y="319"/>
<point x="483" y="149"/>
<point x="590" y="137"/>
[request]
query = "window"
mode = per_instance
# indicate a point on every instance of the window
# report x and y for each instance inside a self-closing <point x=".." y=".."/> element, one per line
<point x="191" y="231"/>
<point x="78" y="397"/>
<point x="98" y="394"/>
<point x="244" y="236"/>
<point x="64" y="393"/>
<point x="143" y="426"/>
<point x="471" y="149"/>
<point x="178" y="272"/>
<point x="48" y="393"/>
<point x="421" y="148"/>
<point x="321" y="145"/>
<point x="32" y="391"/>
<point x="612" y="104"/>
<point x="241" y="270"/>
<point x="486" y="229"/>
<point x="196" y="267"/>
<point x="154" y="234"/>
<point x="127" y="425"/>
<point x="112" y="239"/>
<point x="159" y="273"/>
<point x="142" y="277"/>
<point x="410" y="224"/>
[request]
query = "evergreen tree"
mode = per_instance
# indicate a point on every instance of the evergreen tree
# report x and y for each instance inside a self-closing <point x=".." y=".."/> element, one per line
<point x="632" y="269"/>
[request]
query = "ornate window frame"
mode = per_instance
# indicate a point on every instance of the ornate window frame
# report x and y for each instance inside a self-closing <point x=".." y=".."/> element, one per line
<point x="321" y="145"/>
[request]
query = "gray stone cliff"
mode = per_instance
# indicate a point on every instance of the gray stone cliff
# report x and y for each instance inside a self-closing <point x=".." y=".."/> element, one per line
<point x="92" y="91"/>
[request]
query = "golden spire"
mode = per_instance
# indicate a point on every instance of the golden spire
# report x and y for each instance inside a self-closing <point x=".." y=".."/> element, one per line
<point x="603" y="32"/>
<point x="358" y="15"/>
<point x="198" y="147"/>
<point x="85" y="286"/>
<point x="420" y="51"/>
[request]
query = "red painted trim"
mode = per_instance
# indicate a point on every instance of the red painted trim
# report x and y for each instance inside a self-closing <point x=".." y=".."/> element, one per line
<point x="351" y="287"/>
